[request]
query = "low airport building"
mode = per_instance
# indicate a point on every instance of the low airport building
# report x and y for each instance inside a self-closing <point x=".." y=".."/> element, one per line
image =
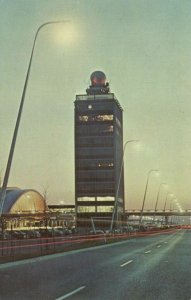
<point x="19" y="201"/>
<point x="27" y="208"/>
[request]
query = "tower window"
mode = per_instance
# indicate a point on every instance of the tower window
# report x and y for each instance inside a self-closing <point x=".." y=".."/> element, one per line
<point x="98" y="118"/>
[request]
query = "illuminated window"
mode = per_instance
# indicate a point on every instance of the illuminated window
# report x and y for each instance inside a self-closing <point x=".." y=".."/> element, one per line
<point x="104" y="208"/>
<point x="83" y="118"/>
<point x="105" y="164"/>
<point x="98" y="118"/>
<point x="85" y="209"/>
<point x="86" y="199"/>
<point x="103" y="118"/>
<point x="106" y="198"/>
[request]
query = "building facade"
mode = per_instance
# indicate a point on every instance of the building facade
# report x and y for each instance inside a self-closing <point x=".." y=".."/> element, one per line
<point x="22" y="208"/>
<point x="99" y="178"/>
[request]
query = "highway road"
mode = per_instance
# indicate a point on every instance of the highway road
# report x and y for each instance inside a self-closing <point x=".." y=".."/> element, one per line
<point x="147" y="268"/>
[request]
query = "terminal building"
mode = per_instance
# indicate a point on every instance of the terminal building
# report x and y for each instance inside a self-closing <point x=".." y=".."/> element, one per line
<point x="19" y="201"/>
<point x="22" y="208"/>
<point x="99" y="176"/>
<point x="27" y="208"/>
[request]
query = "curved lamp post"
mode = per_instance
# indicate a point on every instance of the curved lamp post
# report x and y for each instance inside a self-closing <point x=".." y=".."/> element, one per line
<point x="168" y="194"/>
<point x="171" y="208"/>
<point x="165" y="218"/>
<point x="160" y="186"/>
<point x="146" y="187"/>
<point x="12" y="148"/>
<point x="115" y="209"/>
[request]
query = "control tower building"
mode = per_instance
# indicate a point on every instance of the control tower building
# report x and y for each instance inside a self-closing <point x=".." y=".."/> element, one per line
<point x="99" y="175"/>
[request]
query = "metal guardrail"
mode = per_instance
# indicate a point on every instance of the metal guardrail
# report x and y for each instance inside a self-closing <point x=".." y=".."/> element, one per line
<point x="14" y="249"/>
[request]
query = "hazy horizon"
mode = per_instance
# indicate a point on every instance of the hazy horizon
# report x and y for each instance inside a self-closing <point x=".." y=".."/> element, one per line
<point x="143" y="47"/>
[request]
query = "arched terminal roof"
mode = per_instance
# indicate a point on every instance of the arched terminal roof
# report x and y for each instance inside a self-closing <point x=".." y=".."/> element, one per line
<point x="21" y="201"/>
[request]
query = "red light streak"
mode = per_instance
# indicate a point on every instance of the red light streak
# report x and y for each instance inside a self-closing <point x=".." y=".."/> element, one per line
<point x="79" y="239"/>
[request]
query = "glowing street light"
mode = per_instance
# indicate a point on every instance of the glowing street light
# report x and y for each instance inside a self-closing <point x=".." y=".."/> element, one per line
<point x="171" y="203"/>
<point x="179" y="207"/>
<point x="12" y="148"/>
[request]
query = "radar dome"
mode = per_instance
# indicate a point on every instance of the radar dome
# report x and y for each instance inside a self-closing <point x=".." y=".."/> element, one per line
<point x="98" y="78"/>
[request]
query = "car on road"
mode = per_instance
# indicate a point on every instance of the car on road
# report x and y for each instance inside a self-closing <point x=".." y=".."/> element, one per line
<point x="67" y="231"/>
<point x="32" y="233"/>
<point x="46" y="232"/>
<point x="4" y="235"/>
<point x="57" y="232"/>
<point x="17" y="234"/>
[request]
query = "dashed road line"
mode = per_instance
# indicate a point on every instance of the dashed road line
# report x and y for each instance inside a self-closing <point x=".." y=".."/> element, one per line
<point x="71" y="293"/>
<point x="158" y="246"/>
<point x="126" y="263"/>
<point x="149" y="251"/>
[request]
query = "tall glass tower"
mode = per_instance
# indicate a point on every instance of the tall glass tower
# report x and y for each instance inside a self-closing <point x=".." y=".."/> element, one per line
<point x="99" y="176"/>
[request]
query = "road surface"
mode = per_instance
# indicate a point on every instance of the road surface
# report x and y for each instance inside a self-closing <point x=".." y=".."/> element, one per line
<point x="153" y="267"/>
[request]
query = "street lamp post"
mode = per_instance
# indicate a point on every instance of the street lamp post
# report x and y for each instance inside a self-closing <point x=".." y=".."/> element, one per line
<point x="12" y="148"/>
<point x="168" y="194"/>
<point x="115" y="209"/>
<point x="171" y="208"/>
<point x="144" y="198"/>
<point x="160" y="186"/>
<point x="166" y="218"/>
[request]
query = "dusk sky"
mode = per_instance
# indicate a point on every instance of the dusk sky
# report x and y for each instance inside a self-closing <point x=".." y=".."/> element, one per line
<point x="143" y="47"/>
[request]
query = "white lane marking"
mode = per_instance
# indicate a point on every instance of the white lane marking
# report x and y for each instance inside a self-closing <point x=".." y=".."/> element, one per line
<point x="158" y="246"/>
<point x="126" y="263"/>
<point x="71" y="293"/>
<point x="165" y="242"/>
<point x="149" y="251"/>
